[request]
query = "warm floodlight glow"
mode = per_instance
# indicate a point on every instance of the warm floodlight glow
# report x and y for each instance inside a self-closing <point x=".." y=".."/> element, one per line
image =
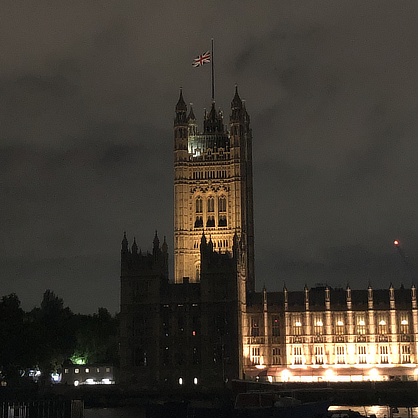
<point x="340" y="323"/>
<point x="382" y="322"/>
<point x="404" y="322"/>
<point x="270" y="379"/>
<point x="319" y="323"/>
<point x="260" y="366"/>
<point x="361" y="322"/>
<point x="329" y="374"/>
<point x="298" y="324"/>
<point x="373" y="374"/>
<point x="285" y="375"/>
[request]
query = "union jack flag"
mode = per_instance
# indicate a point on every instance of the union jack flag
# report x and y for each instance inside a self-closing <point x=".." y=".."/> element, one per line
<point x="201" y="59"/>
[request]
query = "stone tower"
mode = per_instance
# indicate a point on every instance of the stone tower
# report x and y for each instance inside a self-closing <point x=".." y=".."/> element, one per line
<point x="213" y="188"/>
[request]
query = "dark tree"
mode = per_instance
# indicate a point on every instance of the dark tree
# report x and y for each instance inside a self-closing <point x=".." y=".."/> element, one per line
<point x="16" y="348"/>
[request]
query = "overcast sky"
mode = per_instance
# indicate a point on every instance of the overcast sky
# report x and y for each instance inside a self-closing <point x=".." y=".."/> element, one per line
<point x="87" y="96"/>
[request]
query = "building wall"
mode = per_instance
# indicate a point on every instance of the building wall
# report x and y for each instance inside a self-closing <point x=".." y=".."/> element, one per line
<point x="209" y="325"/>
<point x="336" y="336"/>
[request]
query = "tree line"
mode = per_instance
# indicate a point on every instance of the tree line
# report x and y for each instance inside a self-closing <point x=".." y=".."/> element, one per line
<point x="50" y="336"/>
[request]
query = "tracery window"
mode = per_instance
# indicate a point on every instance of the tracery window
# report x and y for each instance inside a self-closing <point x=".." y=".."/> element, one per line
<point x="297" y="325"/>
<point x="222" y="220"/>
<point x="383" y="325"/>
<point x="318" y="325"/>
<point x="199" y="205"/>
<point x="255" y="327"/>
<point x="222" y="204"/>
<point x="198" y="222"/>
<point x="211" y="204"/>
<point x="275" y="326"/>
<point x="276" y="355"/>
<point x="339" y="324"/>
<point x="404" y="325"/>
<point x="360" y="324"/>
<point x="211" y="221"/>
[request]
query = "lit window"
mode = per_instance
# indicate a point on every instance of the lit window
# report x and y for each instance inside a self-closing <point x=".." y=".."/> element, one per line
<point x="87" y="370"/>
<point x="339" y="325"/>
<point x="362" y="354"/>
<point x="404" y="328"/>
<point x="98" y="369"/>
<point x="383" y="328"/>
<point x="65" y="371"/>
<point x="406" y="354"/>
<point x="318" y="325"/>
<point x="319" y="355"/>
<point x="255" y="355"/>
<point x="384" y="354"/>
<point x="340" y="351"/>
<point x="195" y="380"/>
<point x="360" y="325"/>
<point x="297" y="326"/>
<point x="297" y="355"/>
<point x="76" y="370"/>
<point x="107" y="369"/>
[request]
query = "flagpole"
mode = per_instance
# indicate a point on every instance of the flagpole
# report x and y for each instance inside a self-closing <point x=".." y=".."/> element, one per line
<point x="213" y="76"/>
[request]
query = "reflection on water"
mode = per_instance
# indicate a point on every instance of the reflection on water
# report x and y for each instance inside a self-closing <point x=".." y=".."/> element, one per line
<point x="139" y="412"/>
<point x="123" y="412"/>
<point x="379" y="411"/>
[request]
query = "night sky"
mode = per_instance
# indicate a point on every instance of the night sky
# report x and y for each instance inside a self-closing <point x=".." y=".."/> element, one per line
<point x="87" y="96"/>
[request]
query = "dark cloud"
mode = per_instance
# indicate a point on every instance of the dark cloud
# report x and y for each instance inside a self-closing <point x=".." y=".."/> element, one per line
<point x="87" y="92"/>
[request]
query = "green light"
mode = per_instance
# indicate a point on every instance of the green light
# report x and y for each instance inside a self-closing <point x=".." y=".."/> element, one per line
<point x="78" y="360"/>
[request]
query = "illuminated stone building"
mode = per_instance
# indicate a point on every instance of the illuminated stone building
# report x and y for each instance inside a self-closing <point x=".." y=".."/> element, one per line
<point x="324" y="334"/>
<point x="208" y="325"/>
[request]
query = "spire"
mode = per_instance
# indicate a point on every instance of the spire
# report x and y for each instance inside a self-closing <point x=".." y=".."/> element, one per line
<point x="191" y="116"/>
<point x="156" y="241"/>
<point x="134" y="247"/>
<point x="124" y="242"/>
<point x="181" y="109"/>
<point x="164" y="247"/>
<point x="236" y="101"/>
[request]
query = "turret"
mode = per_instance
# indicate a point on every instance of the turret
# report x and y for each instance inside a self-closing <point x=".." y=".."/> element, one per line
<point x="213" y="122"/>
<point x="370" y="297"/>
<point x="191" y="119"/>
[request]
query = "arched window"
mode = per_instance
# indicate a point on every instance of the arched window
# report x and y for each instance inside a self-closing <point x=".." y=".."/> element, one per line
<point x="211" y="204"/>
<point x="222" y="204"/>
<point x="211" y="221"/>
<point x="199" y="205"/>
<point x="198" y="222"/>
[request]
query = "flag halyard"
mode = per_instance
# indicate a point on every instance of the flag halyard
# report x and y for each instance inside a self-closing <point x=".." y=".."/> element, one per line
<point x="201" y="59"/>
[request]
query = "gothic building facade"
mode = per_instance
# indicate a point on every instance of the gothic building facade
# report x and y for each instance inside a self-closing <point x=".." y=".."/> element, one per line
<point x="209" y="325"/>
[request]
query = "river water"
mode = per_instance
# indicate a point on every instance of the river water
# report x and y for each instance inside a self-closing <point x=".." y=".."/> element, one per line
<point x="139" y="412"/>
